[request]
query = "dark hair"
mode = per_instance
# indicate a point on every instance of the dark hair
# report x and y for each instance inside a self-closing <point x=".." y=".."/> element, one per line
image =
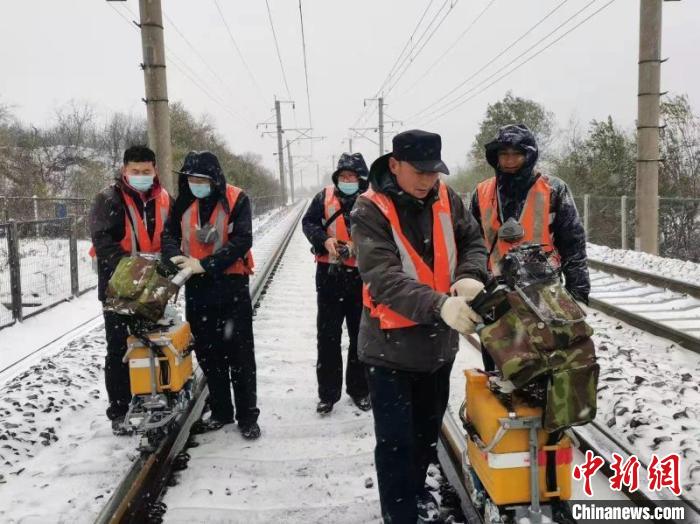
<point x="139" y="154"/>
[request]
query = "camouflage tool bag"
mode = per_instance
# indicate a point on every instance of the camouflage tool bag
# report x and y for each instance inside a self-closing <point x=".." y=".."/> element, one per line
<point x="139" y="287"/>
<point x="543" y="337"/>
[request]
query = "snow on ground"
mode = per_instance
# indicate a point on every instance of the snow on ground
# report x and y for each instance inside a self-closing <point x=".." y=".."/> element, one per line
<point x="58" y="458"/>
<point x="49" y="327"/>
<point x="304" y="468"/>
<point x="667" y="267"/>
<point x="648" y="395"/>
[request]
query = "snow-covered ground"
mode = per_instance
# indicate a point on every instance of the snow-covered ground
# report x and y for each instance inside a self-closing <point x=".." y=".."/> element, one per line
<point x="58" y="458"/>
<point x="668" y="267"/>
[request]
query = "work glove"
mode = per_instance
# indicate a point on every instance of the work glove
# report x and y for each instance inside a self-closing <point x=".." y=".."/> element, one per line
<point x="331" y="246"/>
<point x="190" y="263"/>
<point x="459" y="316"/>
<point x="467" y="288"/>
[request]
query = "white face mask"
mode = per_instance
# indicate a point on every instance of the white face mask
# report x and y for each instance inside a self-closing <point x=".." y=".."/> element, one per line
<point x="141" y="183"/>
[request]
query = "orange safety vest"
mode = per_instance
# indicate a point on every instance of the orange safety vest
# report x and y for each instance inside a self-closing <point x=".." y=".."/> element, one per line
<point x="139" y="241"/>
<point x="535" y="219"/>
<point x="191" y="246"/>
<point x="337" y="229"/>
<point x="438" y="278"/>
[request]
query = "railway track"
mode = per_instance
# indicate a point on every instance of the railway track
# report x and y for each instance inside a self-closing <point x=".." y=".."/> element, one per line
<point x="136" y="498"/>
<point x="665" y="307"/>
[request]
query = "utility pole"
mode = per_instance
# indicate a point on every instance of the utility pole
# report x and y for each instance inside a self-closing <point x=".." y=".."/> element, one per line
<point x="318" y="175"/>
<point x="156" y="89"/>
<point x="280" y="158"/>
<point x="648" y="109"/>
<point x="290" y="163"/>
<point x="380" y="101"/>
<point x="350" y="144"/>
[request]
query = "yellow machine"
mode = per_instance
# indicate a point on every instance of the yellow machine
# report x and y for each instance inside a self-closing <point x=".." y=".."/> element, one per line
<point x="173" y="368"/>
<point x="507" y="450"/>
<point x="160" y="372"/>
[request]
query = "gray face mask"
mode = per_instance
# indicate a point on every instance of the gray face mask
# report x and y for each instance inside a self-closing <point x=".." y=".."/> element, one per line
<point x="207" y="234"/>
<point x="511" y="231"/>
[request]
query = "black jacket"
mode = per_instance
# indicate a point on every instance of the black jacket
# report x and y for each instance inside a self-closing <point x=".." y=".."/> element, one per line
<point x="566" y="227"/>
<point x="312" y="223"/>
<point x="213" y="286"/>
<point x="431" y="344"/>
<point x="107" y="227"/>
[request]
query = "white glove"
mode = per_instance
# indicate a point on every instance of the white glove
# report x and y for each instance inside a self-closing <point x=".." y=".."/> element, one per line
<point x="467" y="288"/>
<point x="331" y="245"/>
<point x="190" y="263"/>
<point x="459" y="316"/>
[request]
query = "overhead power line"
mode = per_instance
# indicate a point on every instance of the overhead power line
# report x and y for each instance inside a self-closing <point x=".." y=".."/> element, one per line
<point x="306" y="67"/>
<point x="412" y="56"/>
<point x="277" y="48"/>
<point x="451" y="47"/>
<point x="492" y="60"/>
<point x="259" y="89"/>
<point x="526" y="61"/>
<point x="186" y="71"/>
<point x="396" y="62"/>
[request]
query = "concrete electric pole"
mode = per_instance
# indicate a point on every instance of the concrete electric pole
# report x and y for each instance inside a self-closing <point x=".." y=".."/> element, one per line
<point x="280" y="158"/>
<point x="290" y="163"/>
<point x="156" y="90"/>
<point x="380" y="102"/>
<point x="648" y="109"/>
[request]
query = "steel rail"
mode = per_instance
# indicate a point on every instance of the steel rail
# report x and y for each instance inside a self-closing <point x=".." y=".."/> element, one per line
<point x="143" y="484"/>
<point x="673" y="284"/>
<point x="651" y="326"/>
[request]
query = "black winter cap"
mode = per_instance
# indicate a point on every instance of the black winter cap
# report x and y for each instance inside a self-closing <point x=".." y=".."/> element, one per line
<point x="419" y="148"/>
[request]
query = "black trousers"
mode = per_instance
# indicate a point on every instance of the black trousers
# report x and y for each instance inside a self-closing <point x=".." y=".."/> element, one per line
<point x="339" y="297"/>
<point x="408" y="408"/>
<point x="116" y="371"/>
<point x="224" y="345"/>
<point x="489" y="364"/>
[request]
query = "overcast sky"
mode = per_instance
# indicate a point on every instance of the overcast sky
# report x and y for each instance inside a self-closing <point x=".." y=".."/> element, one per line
<point x="55" y="51"/>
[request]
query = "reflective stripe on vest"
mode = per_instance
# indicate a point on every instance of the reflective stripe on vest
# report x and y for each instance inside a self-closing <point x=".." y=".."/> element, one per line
<point x="535" y="219"/>
<point x="139" y="241"/>
<point x="189" y="224"/>
<point x="338" y="228"/>
<point x="444" y="256"/>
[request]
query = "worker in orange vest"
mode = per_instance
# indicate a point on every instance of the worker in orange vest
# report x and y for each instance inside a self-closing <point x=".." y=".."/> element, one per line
<point x="416" y="244"/>
<point x="520" y="204"/>
<point x="211" y="233"/>
<point x="338" y="285"/>
<point x="126" y="218"/>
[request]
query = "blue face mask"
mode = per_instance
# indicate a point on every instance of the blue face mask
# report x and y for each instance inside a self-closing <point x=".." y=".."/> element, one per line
<point x="141" y="183"/>
<point x="348" y="188"/>
<point x="200" y="190"/>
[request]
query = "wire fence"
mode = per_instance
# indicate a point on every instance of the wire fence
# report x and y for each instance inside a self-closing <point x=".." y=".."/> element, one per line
<point x="610" y="221"/>
<point x="42" y="263"/>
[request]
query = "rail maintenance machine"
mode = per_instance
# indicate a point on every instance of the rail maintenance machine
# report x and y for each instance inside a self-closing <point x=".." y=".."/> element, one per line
<point x="159" y="346"/>
<point x="517" y="418"/>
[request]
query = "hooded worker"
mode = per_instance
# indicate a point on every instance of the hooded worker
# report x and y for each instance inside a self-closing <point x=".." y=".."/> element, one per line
<point x="210" y="232"/>
<point x="327" y="225"/>
<point x="520" y="204"/>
